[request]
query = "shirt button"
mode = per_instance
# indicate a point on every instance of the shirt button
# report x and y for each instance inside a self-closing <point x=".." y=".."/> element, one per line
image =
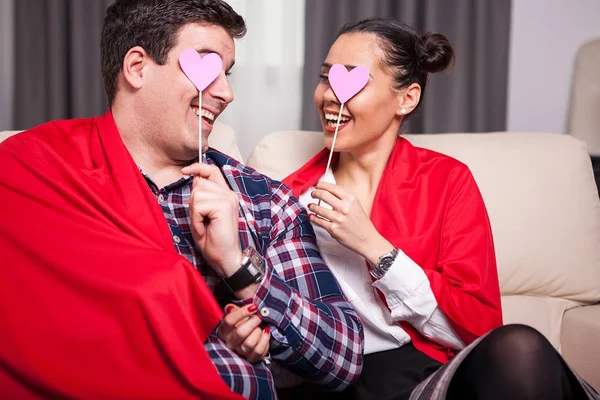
<point x="264" y="312"/>
<point x="161" y="198"/>
<point x="176" y="239"/>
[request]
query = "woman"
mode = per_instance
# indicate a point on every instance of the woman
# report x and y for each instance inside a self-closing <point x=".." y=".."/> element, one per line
<point x="428" y="293"/>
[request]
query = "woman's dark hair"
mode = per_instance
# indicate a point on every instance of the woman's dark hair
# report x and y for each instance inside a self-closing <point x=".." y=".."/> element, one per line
<point x="154" y="25"/>
<point x="410" y="56"/>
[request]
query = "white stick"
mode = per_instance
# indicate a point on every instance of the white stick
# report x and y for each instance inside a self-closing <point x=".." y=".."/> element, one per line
<point x="201" y="155"/>
<point x="337" y="126"/>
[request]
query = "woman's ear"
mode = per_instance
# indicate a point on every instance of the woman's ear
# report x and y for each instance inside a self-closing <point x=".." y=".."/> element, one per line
<point x="133" y="66"/>
<point x="408" y="99"/>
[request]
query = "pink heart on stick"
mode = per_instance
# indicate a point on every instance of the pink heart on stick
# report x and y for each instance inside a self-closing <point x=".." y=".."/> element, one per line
<point x="346" y="84"/>
<point x="202" y="71"/>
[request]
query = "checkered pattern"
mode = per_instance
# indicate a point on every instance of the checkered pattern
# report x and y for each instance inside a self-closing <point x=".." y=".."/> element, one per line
<point x="315" y="332"/>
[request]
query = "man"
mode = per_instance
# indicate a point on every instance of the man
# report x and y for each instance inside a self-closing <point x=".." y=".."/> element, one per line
<point x="90" y="266"/>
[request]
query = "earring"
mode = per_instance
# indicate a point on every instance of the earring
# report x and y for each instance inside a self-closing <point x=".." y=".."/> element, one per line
<point x="403" y="111"/>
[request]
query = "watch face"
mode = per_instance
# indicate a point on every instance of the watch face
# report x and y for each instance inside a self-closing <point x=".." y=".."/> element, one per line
<point x="256" y="262"/>
<point x="387" y="262"/>
<point x="384" y="264"/>
<point x="253" y="270"/>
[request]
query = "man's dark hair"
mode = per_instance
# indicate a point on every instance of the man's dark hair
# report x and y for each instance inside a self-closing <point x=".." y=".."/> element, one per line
<point x="154" y="25"/>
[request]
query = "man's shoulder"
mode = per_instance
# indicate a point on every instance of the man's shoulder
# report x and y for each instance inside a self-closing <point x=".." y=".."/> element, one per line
<point x="270" y="204"/>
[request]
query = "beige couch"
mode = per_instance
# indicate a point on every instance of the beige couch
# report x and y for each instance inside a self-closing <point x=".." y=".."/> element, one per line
<point x="545" y="215"/>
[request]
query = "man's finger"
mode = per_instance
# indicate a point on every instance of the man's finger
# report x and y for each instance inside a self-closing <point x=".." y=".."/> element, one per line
<point x="206" y="171"/>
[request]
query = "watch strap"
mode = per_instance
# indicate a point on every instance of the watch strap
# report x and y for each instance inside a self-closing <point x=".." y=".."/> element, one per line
<point x="383" y="264"/>
<point x="251" y="271"/>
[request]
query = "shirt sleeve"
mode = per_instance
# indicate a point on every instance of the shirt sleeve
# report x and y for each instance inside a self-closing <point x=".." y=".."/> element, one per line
<point x="316" y="334"/>
<point x="409" y="296"/>
<point x="253" y="381"/>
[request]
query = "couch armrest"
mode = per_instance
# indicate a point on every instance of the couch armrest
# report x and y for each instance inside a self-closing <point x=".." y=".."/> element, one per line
<point x="579" y="337"/>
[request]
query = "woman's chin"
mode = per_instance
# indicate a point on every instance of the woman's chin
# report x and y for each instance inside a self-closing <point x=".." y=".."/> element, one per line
<point x="328" y="142"/>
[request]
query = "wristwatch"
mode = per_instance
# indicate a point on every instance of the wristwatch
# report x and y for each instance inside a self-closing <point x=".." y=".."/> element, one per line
<point x="251" y="271"/>
<point x="383" y="264"/>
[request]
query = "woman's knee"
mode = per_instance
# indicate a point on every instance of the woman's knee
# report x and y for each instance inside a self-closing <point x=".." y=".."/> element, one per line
<point x="517" y="342"/>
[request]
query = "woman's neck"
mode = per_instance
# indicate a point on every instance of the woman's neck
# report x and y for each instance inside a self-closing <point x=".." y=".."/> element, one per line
<point x="362" y="171"/>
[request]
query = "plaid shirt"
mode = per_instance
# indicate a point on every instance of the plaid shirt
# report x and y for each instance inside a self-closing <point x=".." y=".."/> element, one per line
<point x="315" y="333"/>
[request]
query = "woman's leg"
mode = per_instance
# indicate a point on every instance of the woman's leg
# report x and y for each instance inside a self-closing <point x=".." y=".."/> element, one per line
<point x="514" y="362"/>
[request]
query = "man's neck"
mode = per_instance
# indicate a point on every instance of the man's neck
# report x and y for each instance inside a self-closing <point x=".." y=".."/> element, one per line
<point x="162" y="172"/>
<point x="160" y="168"/>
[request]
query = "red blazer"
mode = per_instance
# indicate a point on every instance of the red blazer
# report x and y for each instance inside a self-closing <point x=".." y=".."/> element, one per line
<point x="429" y="206"/>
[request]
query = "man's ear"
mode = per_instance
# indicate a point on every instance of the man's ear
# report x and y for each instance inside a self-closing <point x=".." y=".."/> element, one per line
<point x="134" y="65"/>
<point x="408" y="99"/>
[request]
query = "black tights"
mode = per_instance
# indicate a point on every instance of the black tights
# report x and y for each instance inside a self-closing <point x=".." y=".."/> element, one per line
<point x="514" y="362"/>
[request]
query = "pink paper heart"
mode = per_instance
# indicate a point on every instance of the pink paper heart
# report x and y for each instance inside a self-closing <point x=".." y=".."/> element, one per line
<point x="346" y="84"/>
<point x="200" y="70"/>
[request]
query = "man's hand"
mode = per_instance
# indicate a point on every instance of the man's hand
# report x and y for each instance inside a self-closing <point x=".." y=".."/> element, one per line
<point x="214" y="218"/>
<point x="240" y="331"/>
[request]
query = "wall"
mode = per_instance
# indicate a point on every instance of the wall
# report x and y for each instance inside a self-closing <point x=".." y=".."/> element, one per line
<point x="6" y="64"/>
<point x="545" y="36"/>
<point x="267" y="76"/>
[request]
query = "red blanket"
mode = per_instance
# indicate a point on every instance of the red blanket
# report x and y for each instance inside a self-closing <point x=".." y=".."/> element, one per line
<point x="428" y="205"/>
<point x="95" y="302"/>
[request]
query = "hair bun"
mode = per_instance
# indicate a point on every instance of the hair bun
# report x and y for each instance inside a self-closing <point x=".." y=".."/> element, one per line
<point x="435" y="53"/>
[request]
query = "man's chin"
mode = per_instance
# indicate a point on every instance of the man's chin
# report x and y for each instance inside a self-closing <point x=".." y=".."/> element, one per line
<point x="206" y="127"/>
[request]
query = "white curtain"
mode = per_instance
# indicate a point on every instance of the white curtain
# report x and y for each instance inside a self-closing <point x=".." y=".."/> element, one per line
<point x="267" y="76"/>
<point x="6" y="65"/>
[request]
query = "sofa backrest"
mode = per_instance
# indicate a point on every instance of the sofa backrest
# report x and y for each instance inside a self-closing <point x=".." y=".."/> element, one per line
<point x="584" y="118"/>
<point x="539" y="191"/>
<point x="221" y="138"/>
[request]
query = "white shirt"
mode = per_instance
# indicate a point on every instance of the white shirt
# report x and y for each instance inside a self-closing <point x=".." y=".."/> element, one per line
<point x="405" y="287"/>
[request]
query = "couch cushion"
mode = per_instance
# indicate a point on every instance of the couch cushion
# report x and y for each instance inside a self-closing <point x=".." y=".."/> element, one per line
<point x="6" y="134"/>
<point x="221" y="138"/>
<point x="539" y="190"/>
<point x="580" y="335"/>
<point x="543" y="313"/>
<point x="584" y="118"/>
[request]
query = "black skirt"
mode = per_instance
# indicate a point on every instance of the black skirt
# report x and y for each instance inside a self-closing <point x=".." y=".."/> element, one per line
<point x="387" y="375"/>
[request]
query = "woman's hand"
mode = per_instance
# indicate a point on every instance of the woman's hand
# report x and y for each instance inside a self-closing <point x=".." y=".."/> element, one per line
<point x="347" y="222"/>
<point x="241" y="332"/>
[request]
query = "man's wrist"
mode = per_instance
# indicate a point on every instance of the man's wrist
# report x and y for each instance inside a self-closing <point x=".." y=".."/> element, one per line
<point x="232" y="265"/>
<point x="250" y="270"/>
<point x="247" y="292"/>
